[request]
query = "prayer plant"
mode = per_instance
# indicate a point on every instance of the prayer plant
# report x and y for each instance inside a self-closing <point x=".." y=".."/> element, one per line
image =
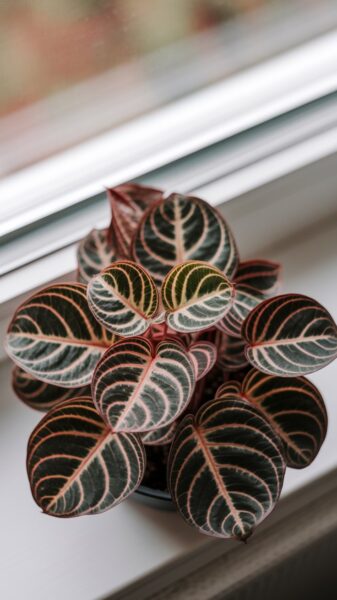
<point x="167" y="339"/>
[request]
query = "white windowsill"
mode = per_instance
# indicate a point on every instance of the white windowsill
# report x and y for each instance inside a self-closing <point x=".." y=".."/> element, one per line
<point x="85" y="559"/>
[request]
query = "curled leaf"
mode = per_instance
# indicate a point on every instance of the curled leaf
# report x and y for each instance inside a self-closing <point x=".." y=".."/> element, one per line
<point x="94" y="254"/>
<point x="137" y="387"/>
<point x="244" y="300"/>
<point x="77" y="466"/>
<point x="181" y="228"/>
<point x="295" y="409"/>
<point x="160" y="437"/>
<point x="203" y="357"/>
<point x="128" y="203"/>
<point x="225" y="468"/>
<point x="41" y="395"/>
<point x="123" y="298"/>
<point x="195" y="296"/>
<point x="263" y="275"/>
<point x="290" y="334"/>
<point x="55" y="337"/>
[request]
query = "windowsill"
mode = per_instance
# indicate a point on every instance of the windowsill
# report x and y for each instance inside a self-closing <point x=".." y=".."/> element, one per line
<point x="84" y="559"/>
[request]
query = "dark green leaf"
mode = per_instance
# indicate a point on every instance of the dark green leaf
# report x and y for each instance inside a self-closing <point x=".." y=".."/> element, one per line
<point x="77" y="466"/>
<point x="203" y="356"/>
<point x="54" y="336"/>
<point x="123" y="298"/>
<point x="294" y="408"/>
<point x="244" y="300"/>
<point x="263" y="275"/>
<point x="94" y="254"/>
<point x="225" y="468"/>
<point x="181" y="228"/>
<point x="137" y="387"/>
<point x="41" y="395"/>
<point x="290" y="334"/>
<point x="195" y="296"/>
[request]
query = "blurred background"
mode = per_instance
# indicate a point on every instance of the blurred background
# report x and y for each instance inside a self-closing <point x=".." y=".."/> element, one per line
<point x="71" y="70"/>
<point x="233" y="101"/>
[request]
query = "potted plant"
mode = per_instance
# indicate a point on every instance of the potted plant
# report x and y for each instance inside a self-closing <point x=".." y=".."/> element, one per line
<point x="168" y="345"/>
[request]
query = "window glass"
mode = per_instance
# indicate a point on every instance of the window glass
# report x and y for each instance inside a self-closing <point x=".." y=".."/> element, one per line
<point x="71" y="70"/>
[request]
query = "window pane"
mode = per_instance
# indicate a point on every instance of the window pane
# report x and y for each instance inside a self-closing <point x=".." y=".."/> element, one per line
<point x="72" y="70"/>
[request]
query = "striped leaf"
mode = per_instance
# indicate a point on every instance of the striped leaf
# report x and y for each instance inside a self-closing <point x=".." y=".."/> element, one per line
<point x="195" y="296"/>
<point x="244" y="300"/>
<point x="41" y="395"/>
<point x="77" y="466"/>
<point x="229" y="389"/>
<point x="123" y="298"/>
<point x="139" y="388"/>
<point x="225" y="468"/>
<point x="54" y="336"/>
<point x="181" y="228"/>
<point x="296" y="411"/>
<point x="94" y="254"/>
<point x="128" y="203"/>
<point x="263" y="275"/>
<point x="160" y="437"/>
<point x="231" y="353"/>
<point x="203" y="357"/>
<point x="290" y="334"/>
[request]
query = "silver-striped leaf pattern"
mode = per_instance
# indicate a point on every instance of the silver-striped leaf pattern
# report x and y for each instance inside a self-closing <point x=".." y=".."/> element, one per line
<point x="161" y="436"/>
<point x="41" y="395"/>
<point x="139" y="387"/>
<point x="195" y="296"/>
<point x="225" y="468"/>
<point x="77" y="466"/>
<point x="244" y="300"/>
<point x="296" y="411"/>
<point x="55" y="337"/>
<point x="181" y="228"/>
<point x="203" y="355"/>
<point x="290" y="334"/>
<point x="263" y="275"/>
<point x="128" y="203"/>
<point x="94" y="254"/>
<point x="123" y="298"/>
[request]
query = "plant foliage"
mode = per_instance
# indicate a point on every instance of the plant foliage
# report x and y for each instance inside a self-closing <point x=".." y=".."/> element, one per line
<point x="154" y="348"/>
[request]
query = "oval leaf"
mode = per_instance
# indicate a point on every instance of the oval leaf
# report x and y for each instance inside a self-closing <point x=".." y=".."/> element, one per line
<point x="41" y="395"/>
<point x="203" y="357"/>
<point x="225" y="468"/>
<point x="263" y="275"/>
<point x="290" y="334"/>
<point x="128" y="203"/>
<point x="77" y="466"/>
<point x="94" y="254"/>
<point x="181" y="228"/>
<point x="295" y="409"/>
<point x="231" y="353"/>
<point x="54" y="336"/>
<point x="137" y="388"/>
<point x="123" y="298"/>
<point x="160" y="437"/>
<point x="195" y="296"/>
<point x="244" y="300"/>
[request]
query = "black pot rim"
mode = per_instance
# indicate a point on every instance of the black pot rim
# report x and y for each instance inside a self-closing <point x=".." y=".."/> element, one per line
<point x="157" y="498"/>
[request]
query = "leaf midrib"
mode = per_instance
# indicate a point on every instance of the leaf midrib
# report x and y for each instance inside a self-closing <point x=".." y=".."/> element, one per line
<point x="220" y="484"/>
<point x="80" y="468"/>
